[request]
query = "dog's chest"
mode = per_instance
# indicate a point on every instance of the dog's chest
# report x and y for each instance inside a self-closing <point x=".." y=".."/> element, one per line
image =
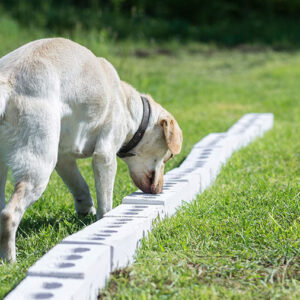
<point x="77" y="139"/>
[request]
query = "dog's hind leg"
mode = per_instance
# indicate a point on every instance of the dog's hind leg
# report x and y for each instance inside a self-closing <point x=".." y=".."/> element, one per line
<point x="25" y="193"/>
<point x="10" y="218"/>
<point x="67" y="169"/>
<point x="3" y="175"/>
<point x="32" y="158"/>
<point x="28" y="189"/>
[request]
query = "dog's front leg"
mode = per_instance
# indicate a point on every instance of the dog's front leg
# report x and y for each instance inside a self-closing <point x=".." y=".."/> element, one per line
<point x="67" y="169"/>
<point x="104" y="167"/>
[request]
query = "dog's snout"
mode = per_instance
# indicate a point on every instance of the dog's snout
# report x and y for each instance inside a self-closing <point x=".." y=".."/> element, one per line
<point x="149" y="183"/>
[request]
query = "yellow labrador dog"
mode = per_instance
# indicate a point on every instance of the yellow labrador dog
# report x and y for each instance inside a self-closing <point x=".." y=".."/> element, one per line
<point x="59" y="103"/>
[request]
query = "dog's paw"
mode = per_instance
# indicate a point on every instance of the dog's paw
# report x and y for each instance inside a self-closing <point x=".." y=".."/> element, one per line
<point x="7" y="257"/>
<point x="100" y="215"/>
<point x="87" y="211"/>
<point x="92" y="211"/>
<point x="85" y="206"/>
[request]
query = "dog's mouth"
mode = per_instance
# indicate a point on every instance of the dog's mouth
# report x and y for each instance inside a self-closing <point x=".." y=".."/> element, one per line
<point x="148" y="183"/>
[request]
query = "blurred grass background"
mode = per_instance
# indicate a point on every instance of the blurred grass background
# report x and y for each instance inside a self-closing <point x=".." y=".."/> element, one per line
<point x="222" y="22"/>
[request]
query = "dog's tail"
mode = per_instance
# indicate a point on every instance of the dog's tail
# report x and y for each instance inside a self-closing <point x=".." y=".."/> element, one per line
<point x="4" y="95"/>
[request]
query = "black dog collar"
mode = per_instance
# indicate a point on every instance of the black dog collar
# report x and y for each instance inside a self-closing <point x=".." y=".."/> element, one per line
<point x="124" y="151"/>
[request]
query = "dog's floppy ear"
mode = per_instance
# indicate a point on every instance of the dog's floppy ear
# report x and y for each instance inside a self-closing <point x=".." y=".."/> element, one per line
<point x="173" y="134"/>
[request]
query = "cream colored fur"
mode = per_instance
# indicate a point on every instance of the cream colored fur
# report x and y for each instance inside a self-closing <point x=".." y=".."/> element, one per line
<point x="59" y="103"/>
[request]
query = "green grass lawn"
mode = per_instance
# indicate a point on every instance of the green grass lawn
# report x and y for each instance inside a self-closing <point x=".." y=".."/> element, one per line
<point x="239" y="239"/>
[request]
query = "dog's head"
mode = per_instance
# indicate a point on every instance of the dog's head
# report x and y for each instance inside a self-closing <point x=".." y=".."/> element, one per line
<point x="161" y="141"/>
